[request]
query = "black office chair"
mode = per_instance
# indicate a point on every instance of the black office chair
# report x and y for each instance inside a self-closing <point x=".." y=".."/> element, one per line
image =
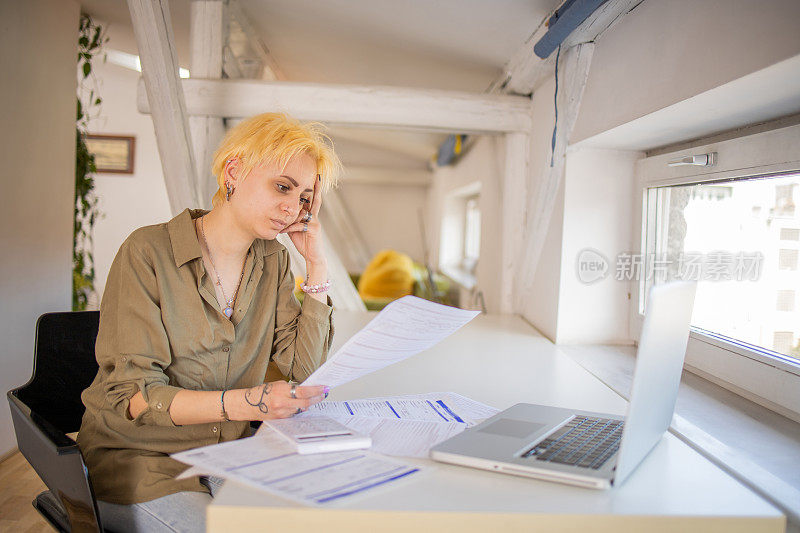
<point x="48" y="407"/>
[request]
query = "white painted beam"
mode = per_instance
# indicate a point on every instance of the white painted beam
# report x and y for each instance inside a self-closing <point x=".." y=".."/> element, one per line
<point x="515" y="178"/>
<point x="525" y="70"/>
<point x="573" y="73"/>
<point x="386" y="107"/>
<point x="161" y="86"/>
<point x="207" y="37"/>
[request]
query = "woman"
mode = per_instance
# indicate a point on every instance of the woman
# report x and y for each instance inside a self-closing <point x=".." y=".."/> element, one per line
<point x="193" y="311"/>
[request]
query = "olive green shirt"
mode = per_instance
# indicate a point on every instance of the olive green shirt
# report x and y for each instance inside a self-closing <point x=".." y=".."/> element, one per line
<point x="162" y="330"/>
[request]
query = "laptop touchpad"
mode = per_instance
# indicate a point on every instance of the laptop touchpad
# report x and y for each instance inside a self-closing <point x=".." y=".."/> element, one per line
<point x="508" y="427"/>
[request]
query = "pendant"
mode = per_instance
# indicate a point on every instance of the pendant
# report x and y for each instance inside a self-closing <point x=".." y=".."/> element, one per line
<point x="228" y="311"/>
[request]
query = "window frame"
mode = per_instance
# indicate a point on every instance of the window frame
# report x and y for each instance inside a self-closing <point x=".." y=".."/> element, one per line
<point x="453" y="234"/>
<point x="758" y="374"/>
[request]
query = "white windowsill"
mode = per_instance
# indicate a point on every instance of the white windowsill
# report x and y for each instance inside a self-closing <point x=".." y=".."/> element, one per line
<point x="757" y="446"/>
<point x="460" y="276"/>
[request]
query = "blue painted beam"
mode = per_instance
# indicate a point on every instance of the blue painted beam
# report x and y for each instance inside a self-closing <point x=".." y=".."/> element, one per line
<point x="563" y="22"/>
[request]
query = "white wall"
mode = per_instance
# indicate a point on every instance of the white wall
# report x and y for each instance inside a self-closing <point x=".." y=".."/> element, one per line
<point x="126" y="201"/>
<point x="387" y="216"/>
<point x="598" y="211"/>
<point x="664" y="52"/>
<point x="38" y="43"/>
<point x="482" y="163"/>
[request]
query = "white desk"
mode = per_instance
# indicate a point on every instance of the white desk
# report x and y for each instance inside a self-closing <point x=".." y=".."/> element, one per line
<point x="501" y="361"/>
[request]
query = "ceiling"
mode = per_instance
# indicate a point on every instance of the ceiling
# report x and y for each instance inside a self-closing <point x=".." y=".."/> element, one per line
<point x="457" y="45"/>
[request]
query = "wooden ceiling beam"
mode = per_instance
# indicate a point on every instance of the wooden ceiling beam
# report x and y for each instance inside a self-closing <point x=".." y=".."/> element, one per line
<point x="525" y="71"/>
<point x="431" y="110"/>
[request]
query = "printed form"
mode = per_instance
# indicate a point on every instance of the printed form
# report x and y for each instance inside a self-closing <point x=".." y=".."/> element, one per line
<point x="268" y="462"/>
<point x="404" y="328"/>
<point x="406" y="426"/>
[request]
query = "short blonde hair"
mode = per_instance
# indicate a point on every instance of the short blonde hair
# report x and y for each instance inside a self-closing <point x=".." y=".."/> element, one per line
<point x="275" y="138"/>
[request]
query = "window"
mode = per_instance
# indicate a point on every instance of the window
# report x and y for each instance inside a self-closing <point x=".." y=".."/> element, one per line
<point x="460" y="242"/>
<point x="787" y="259"/>
<point x="782" y="341"/>
<point x="472" y="235"/>
<point x="785" y="301"/>
<point x="784" y="200"/>
<point x="710" y="233"/>
<point x="734" y="228"/>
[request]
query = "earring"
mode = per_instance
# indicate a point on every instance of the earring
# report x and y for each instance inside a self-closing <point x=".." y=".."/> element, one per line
<point x="228" y="191"/>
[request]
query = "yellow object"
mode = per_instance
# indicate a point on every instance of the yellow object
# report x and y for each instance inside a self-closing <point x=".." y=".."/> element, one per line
<point x="390" y="274"/>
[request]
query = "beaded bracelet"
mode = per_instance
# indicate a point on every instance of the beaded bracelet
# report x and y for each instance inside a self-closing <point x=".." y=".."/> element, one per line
<point x="322" y="287"/>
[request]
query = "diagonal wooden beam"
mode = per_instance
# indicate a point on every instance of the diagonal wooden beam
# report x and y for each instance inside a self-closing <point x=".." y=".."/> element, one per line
<point x="386" y="107"/>
<point x="573" y="73"/>
<point x="525" y="71"/>
<point x="153" y="30"/>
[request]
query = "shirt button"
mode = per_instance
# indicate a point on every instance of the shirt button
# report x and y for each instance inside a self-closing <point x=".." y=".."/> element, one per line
<point x="124" y="359"/>
<point x="158" y="405"/>
<point x="226" y="349"/>
<point x="214" y="429"/>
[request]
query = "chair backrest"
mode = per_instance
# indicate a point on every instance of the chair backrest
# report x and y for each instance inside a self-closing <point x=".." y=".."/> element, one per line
<point x="49" y="406"/>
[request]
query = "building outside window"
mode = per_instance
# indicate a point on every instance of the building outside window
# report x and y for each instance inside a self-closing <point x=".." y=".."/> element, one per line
<point x="729" y="236"/>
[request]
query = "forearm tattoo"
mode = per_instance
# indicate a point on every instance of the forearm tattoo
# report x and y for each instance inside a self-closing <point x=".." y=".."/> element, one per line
<point x="261" y="402"/>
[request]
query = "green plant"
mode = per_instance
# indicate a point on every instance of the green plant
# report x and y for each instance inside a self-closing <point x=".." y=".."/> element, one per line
<point x="90" y="41"/>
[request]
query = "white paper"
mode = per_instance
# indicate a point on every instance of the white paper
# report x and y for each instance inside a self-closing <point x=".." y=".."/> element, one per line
<point x="267" y="462"/>
<point x="405" y="438"/>
<point x="432" y="407"/>
<point x="404" y="328"/>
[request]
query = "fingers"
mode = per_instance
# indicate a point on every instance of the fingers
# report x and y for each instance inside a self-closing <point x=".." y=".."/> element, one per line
<point x="297" y="226"/>
<point x="311" y="391"/>
<point x="317" y="201"/>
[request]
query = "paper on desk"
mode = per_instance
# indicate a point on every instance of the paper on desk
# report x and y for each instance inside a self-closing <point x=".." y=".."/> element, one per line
<point x="406" y="438"/>
<point x="433" y="407"/>
<point x="404" y="328"/>
<point x="267" y="462"/>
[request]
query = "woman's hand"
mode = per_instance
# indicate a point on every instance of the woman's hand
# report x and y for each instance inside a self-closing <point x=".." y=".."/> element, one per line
<point x="309" y="242"/>
<point x="271" y="400"/>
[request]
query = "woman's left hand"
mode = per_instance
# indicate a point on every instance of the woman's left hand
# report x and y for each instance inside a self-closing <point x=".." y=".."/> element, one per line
<point x="309" y="241"/>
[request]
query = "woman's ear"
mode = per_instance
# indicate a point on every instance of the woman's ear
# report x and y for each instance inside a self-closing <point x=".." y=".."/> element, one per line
<point x="231" y="172"/>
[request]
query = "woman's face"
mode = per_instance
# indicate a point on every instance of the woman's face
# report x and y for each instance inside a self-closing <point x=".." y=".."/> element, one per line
<point x="270" y="199"/>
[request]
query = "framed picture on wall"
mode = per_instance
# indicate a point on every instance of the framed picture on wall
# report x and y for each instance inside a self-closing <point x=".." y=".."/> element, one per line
<point x="112" y="153"/>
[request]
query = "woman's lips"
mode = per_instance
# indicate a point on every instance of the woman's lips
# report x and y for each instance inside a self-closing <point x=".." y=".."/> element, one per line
<point x="279" y="224"/>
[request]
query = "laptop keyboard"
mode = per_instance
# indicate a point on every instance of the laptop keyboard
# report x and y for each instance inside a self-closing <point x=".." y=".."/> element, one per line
<point x="584" y="441"/>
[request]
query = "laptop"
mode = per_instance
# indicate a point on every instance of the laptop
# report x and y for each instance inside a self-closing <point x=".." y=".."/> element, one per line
<point x="584" y="448"/>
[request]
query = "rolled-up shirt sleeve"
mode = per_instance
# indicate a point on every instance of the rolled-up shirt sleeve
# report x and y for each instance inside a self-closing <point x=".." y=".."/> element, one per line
<point x="303" y="333"/>
<point x="132" y="344"/>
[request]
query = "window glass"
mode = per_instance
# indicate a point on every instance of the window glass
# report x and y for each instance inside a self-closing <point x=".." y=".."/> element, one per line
<point x="736" y="239"/>
<point x="472" y="234"/>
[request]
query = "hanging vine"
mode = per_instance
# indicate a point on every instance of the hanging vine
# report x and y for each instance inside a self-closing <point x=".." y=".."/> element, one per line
<point x="91" y="39"/>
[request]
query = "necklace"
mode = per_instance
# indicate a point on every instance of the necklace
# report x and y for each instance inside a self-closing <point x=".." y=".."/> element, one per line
<point x="228" y="311"/>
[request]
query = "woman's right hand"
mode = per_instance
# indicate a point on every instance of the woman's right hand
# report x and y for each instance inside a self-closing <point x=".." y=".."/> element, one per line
<point x="272" y="400"/>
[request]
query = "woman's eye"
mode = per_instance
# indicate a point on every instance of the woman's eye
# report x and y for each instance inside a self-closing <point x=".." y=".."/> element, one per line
<point x="305" y="201"/>
<point x="283" y="188"/>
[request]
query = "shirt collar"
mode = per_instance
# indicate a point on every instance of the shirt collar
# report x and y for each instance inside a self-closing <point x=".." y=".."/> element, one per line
<point x="186" y="246"/>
